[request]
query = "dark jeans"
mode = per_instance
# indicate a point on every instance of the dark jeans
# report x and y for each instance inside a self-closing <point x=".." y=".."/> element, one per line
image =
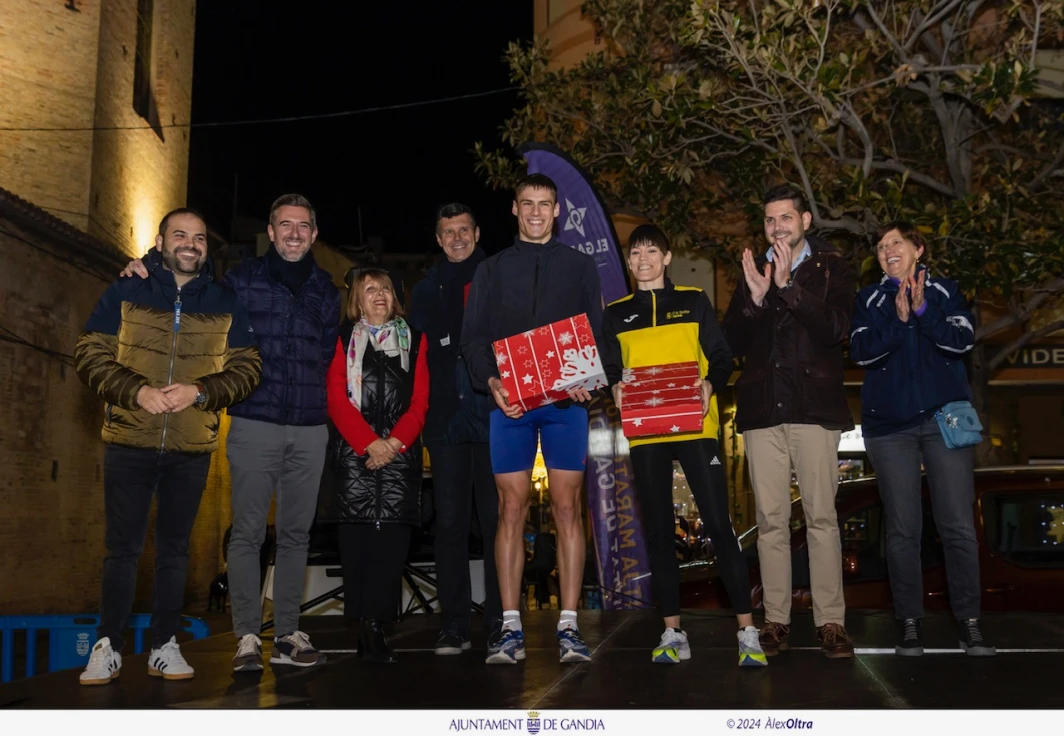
<point x="652" y="466"/>
<point x="372" y="560"/>
<point x="951" y="479"/>
<point x="131" y="477"/>
<point x="462" y="473"/>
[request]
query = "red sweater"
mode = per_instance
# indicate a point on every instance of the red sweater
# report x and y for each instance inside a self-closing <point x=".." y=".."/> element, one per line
<point x="349" y="421"/>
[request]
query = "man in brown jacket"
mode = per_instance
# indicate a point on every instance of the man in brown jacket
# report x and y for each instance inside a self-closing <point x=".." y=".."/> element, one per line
<point x="165" y="353"/>
<point x="788" y="319"/>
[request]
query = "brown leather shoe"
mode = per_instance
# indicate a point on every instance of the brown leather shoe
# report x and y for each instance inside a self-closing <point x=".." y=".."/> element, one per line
<point x="834" y="641"/>
<point x="774" y="638"/>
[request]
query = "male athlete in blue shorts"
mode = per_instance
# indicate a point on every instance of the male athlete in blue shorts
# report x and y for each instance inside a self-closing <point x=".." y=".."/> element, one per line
<point x="536" y="281"/>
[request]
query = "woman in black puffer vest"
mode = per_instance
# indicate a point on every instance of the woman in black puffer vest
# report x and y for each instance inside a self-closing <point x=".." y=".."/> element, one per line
<point x="378" y="388"/>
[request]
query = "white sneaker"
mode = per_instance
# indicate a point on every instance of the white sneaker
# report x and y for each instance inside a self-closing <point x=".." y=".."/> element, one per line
<point x="248" y="654"/>
<point x="166" y="662"/>
<point x="750" y="652"/>
<point x="672" y="648"/>
<point x="104" y="664"/>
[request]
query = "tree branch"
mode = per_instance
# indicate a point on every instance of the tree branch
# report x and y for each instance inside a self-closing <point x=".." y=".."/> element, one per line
<point x="902" y="54"/>
<point x="807" y="185"/>
<point x="1024" y="339"/>
<point x="1048" y="169"/>
<point x="932" y="18"/>
<point x="1021" y="313"/>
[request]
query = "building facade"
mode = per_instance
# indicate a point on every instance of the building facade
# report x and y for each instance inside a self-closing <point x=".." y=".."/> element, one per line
<point x="88" y="167"/>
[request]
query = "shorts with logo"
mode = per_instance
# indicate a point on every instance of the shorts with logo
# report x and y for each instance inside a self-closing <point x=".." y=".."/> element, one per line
<point x="562" y="435"/>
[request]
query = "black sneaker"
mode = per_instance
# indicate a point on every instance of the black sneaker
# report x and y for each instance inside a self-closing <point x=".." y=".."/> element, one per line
<point x="912" y="638"/>
<point x="451" y="642"/>
<point x="972" y="641"/>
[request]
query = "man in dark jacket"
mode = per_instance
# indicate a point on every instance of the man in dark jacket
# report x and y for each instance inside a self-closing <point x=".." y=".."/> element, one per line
<point x="788" y="319"/>
<point x="456" y="432"/>
<point x="535" y="282"/>
<point x="278" y="436"/>
<point x="166" y="354"/>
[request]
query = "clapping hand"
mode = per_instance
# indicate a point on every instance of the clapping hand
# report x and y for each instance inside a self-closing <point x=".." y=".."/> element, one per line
<point x="757" y="282"/>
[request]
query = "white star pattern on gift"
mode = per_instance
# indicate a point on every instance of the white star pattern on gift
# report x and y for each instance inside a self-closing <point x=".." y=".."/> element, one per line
<point x="527" y="379"/>
<point x="550" y="353"/>
<point x="529" y="363"/>
<point x="674" y="428"/>
<point x="638" y="421"/>
<point x="655" y="371"/>
<point x="565" y="338"/>
<point x="500" y="359"/>
<point x="505" y="374"/>
<point x="656" y="391"/>
<point x="529" y="333"/>
<point x="522" y="350"/>
<point x="654" y="401"/>
<point x="672" y="385"/>
<point x="543" y="331"/>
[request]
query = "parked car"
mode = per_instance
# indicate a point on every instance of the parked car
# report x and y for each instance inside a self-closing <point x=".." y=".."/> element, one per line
<point x="1019" y="522"/>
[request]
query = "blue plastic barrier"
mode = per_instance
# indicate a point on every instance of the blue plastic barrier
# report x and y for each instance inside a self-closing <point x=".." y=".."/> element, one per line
<point x="70" y="639"/>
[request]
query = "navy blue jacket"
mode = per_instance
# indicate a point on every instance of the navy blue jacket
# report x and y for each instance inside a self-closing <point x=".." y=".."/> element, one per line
<point x="525" y="286"/>
<point x="297" y="338"/>
<point x="457" y="413"/>
<point x="915" y="367"/>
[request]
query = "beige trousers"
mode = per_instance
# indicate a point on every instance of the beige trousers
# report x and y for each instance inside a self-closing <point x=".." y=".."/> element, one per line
<point x="813" y="453"/>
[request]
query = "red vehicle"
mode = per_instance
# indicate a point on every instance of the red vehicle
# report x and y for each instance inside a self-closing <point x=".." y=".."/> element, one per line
<point x="1019" y="522"/>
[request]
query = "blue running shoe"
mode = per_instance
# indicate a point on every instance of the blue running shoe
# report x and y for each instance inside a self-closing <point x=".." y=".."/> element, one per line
<point x="571" y="646"/>
<point x="750" y="652"/>
<point x="509" y="649"/>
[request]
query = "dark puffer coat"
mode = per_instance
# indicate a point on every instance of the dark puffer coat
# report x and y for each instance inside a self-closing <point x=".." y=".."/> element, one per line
<point x="394" y="401"/>
<point x="296" y="334"/>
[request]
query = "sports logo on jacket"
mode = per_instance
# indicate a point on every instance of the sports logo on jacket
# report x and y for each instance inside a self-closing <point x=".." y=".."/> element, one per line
<point x="677" y="314"/>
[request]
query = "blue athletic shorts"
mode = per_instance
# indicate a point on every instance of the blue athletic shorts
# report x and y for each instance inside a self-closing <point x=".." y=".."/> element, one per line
<point x="562" y="435"/>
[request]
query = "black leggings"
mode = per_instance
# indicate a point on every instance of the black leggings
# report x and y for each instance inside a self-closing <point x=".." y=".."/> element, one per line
<point x="652" y="465"/>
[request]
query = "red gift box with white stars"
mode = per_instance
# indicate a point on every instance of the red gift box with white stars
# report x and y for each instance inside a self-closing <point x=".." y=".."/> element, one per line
<point x="540" y="366"/>
<point x="661" y="400"/>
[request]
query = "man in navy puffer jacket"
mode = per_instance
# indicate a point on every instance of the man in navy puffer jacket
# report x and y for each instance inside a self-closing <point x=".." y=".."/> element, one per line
<point x="279" y="434"/>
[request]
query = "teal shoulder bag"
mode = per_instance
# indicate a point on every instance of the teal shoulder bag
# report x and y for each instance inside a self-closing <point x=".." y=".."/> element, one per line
<point x="960" y="424"/>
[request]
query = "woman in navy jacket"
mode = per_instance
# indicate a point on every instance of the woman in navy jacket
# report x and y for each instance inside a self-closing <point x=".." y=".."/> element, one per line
<point x="911" y="332"/>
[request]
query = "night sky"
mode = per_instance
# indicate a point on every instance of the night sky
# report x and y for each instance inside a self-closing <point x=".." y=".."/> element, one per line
<point x="258" y="59"/>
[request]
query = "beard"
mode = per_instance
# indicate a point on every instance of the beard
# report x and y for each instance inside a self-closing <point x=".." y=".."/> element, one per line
<point x="793" y="240"/>
<point x="176" y="265"/>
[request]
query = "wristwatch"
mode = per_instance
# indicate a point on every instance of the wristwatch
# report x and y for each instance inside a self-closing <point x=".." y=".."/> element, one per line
<point x="201" y="396"/>
<point x="789" y="284"/>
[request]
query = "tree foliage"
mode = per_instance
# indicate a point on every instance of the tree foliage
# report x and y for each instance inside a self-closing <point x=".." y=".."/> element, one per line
<point x="925" y="110"/>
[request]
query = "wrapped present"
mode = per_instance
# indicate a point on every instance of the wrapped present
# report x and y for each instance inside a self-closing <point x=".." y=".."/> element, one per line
<point x="661" y="399"/>
<point x="541" y="366"/>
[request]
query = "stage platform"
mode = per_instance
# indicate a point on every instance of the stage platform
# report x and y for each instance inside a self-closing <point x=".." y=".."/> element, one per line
<point x="1025" y="674"/>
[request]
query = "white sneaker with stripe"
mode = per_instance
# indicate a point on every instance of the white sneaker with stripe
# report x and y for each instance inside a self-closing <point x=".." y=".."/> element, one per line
<point x="104" y="664"/>
<point x="166" y="662"/>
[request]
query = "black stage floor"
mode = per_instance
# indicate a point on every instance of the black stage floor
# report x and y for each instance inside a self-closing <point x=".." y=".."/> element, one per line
<point x="621" y="675"/>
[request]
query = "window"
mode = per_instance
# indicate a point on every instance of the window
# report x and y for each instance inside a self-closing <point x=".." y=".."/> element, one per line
<point x="143" y="66"/>
<point x="1026" y="529"/>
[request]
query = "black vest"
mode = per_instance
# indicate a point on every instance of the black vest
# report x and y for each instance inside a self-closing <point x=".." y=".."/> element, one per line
<point x="391" y="495"/>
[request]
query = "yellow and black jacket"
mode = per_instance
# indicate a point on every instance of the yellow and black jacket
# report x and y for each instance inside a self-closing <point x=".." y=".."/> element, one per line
<point x="676" y="324"/>
<point x="149" y="332"/>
